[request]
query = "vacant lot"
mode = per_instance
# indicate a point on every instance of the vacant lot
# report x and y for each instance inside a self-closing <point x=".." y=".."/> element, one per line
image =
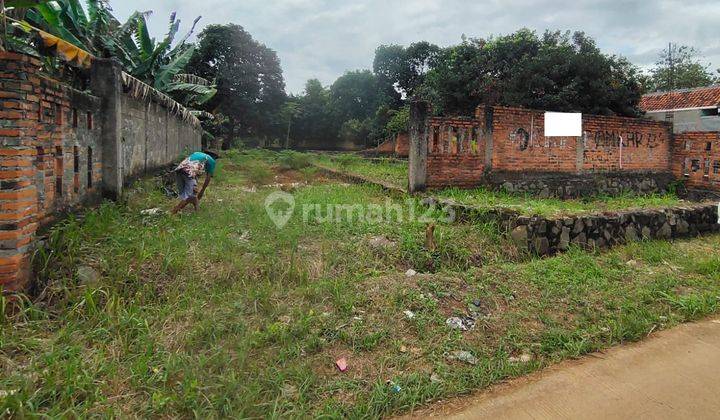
<point x="395" y="172"/>
<point x="529" y="205"/>
<point x="221" y="313"/>
<point x="392" y="171"/>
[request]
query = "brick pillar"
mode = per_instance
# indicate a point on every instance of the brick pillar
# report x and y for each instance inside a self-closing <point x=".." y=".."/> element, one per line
<point x="417" y="159"/>
<point x="19" y="96"/>
<point x="489" y="116"/>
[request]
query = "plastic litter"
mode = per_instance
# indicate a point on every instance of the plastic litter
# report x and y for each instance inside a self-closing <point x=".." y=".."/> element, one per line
<point x="523" y="358"/>
<point x="463" y="356"/>
<point x="395" y="388"/>
<point x="409" y="314"/>
<point x="465" y="323"/>
<point x="410" y="273"/>
<point x="341" y="364"/>
<point x="151" y="212"/>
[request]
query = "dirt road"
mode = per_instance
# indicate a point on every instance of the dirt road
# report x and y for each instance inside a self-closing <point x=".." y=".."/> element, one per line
<point x="674" y="374"/>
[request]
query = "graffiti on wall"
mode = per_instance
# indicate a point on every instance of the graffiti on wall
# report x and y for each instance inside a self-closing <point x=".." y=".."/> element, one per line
<point x="525" y="140"/>
<point x="611" y="138"/>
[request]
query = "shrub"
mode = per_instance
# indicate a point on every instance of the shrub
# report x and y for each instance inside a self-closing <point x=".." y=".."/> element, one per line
<point x="308" y="173"/>
<point x="345" y="160"/>
<point x="258" y="173"/>
<point x="289" y="159"/>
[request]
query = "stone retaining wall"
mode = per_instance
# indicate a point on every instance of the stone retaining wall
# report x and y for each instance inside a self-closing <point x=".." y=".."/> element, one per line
<point x="544" y="236"/>
<point x="568" y="186"/>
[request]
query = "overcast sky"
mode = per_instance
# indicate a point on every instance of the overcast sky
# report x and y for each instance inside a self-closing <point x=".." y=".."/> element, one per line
<point x="324" y="38"/>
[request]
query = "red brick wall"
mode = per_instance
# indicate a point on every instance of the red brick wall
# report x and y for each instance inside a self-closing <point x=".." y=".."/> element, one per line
<point x="456" y="152"/>
<point x="18" y="193"/>
<point x="37" y="158"/>
<point x="519" y="144"/>
<point x="697" y="159"/>
<point x="402" y="145"/>
<point x="387" y="147"/>
<point x="646" y="144"/>
<point x="398" y="146"/>
<point x="457" y="147"/>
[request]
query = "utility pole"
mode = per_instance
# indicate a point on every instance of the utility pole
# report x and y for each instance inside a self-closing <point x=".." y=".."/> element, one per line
<point x="671" y="66"/>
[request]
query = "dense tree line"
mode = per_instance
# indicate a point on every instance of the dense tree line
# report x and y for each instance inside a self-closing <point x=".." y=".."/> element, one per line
<point x="559" y="71"/>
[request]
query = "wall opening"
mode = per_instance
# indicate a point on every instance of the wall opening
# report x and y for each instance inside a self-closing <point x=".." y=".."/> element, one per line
<point x="74" y="117"/>
<point x="58" y="115"/>
<point x="89" y="167"/>
<point x="716" y="167"/>
<point x="89" y="120"/>
<point x="76" y="159"/>
<point x="695" y="165"/>
<point x="706" y="168"/>
<point x="76" y="169"/>
<point x="708" y="146"/>
<point x="58" y="171"/>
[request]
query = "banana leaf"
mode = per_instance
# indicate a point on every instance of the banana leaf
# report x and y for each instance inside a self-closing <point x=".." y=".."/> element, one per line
<point x="24" y="3"/>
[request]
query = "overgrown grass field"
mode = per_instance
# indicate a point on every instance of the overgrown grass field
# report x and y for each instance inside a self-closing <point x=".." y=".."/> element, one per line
<point x="388" y="170"/>
<point x="395" y="172"/>
<point x="530" y="205"/>
<point x="220" y="313"/>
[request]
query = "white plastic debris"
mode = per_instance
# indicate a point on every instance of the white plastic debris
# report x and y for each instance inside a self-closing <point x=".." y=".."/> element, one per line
<point x="409" y="314"/>
<point x="151" y="212"/>
<point x="463" y="356"/>
<point x="463" y="324"/>
<point x="523" y="358"/>
<point x="410" y="273"/>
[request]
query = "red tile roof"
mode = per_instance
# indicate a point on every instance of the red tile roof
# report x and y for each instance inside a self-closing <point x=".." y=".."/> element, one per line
<point x="705" y="97"/>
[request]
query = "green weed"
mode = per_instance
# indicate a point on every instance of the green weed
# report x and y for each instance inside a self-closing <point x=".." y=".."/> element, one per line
<point x="221" y="314"/>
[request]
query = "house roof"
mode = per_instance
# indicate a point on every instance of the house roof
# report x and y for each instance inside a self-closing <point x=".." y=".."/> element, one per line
<point x="704" y="97"/>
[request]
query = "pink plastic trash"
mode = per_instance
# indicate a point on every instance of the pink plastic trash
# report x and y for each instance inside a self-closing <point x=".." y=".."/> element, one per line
<point x="341" y="364"/>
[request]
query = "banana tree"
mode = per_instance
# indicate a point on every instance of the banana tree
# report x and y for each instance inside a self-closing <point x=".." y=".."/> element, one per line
<point x="68" y="20"/>
<point x="155" y="63"/>
<point x="191" y="90"/>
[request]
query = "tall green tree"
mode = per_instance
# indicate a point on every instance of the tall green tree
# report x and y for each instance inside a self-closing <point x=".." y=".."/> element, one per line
<point x="679" y="67"/>
<point x="355" y="95"/>
<point x="405" y="68"/>
<point x="250" y="84"/>
<point x="559" y="71"/>
<point x="316" y="120"/>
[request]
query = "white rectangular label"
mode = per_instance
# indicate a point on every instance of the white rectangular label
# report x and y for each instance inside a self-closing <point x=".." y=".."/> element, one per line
<point x="563" y="124"/>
